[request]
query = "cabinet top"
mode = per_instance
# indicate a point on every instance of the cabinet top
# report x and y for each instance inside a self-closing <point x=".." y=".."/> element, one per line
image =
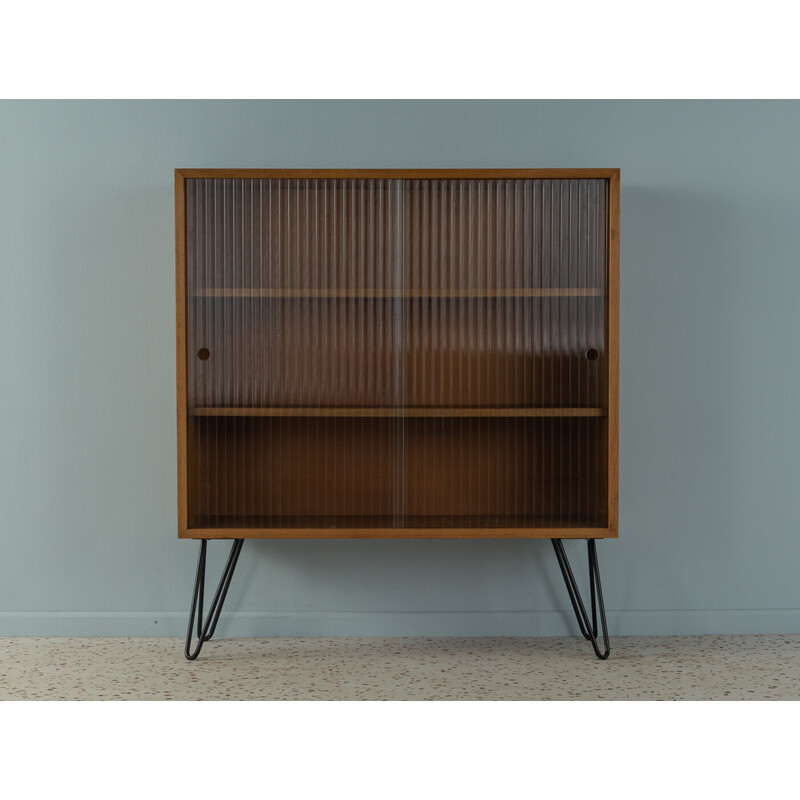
<point x="408" y="174"/>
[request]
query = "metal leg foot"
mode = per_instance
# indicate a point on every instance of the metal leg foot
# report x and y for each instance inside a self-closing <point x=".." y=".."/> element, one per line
<point x="206" y="630"/>
<point x="588" y="629"/>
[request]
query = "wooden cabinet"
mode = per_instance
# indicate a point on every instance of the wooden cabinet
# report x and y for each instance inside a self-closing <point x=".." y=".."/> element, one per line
<point x="397" y="353"/>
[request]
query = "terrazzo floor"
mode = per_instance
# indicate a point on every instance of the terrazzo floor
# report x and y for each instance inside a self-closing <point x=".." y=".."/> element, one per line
<point x="640" y="668"/>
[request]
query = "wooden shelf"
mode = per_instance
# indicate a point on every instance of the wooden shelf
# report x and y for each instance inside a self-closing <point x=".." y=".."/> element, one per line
<point x="397" y="412"/>
<point x="396" y="523"/>
<point x="394" y="293"/>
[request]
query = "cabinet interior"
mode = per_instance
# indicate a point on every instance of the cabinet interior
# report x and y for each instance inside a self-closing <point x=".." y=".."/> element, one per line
<point x="376" y="354"/>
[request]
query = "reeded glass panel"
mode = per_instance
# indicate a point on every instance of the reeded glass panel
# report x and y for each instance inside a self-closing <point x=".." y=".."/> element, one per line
<point x="368" y="354"/>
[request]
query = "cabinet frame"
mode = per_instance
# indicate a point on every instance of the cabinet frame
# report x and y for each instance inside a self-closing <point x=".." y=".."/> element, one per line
<point x="612" y="178"/>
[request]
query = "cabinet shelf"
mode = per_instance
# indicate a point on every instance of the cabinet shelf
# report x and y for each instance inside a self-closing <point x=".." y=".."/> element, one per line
<point x="286" y="411"/>
<point x="395" y="293"/>
<point x="399" y="525"/>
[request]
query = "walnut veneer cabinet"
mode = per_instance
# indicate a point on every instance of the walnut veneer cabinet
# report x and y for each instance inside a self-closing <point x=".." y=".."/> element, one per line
<point x="397" y="353"/>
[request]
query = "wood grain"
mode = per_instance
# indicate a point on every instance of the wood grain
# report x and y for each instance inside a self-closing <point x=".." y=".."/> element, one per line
<point x="397" y="174"/>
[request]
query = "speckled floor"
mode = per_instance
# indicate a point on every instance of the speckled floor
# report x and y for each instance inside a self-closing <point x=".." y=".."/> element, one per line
<point x="640" y="668"/>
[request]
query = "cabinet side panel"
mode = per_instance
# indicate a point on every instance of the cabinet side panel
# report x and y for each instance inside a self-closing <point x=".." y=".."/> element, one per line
<point x="180" y="326"/>
<point x="613" y="346"/>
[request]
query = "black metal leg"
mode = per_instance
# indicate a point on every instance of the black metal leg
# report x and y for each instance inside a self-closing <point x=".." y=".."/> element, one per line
<point x="589" y="630"/>
<point x="206" y="630"/>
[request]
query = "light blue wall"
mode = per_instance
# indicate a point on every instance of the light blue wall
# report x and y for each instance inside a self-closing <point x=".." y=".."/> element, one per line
<point x="710" y="375"/>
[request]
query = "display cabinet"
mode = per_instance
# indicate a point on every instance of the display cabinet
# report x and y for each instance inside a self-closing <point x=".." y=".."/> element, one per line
<point x="397" y="353"/>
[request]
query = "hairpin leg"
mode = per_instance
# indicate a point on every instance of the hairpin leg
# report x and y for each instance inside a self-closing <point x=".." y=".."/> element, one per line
<point x="589" y="630"/>
<point x="206" y="630"/>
